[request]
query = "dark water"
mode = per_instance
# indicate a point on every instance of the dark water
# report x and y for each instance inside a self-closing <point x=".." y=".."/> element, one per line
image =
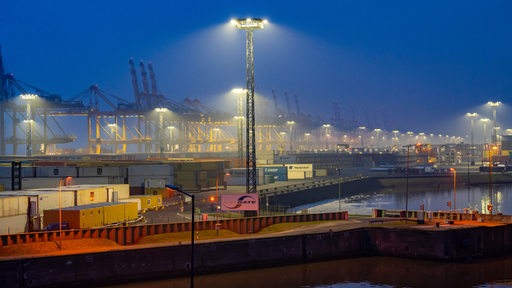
<point x="358" y="272"/>
<point x="379" y="271"/>
<point x="472" y="198"/>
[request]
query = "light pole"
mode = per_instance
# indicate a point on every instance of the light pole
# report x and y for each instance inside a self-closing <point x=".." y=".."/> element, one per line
<point x="291" y="123"/>
<point x="407" y="181"/>
<point x="192" y="231"/>
<point x="326" y="126"/>
<point x="161" y="111"/>
<point x="484" y="122"/>
<point x="240" y="126"/>
<point x="339" y="188"/>
<point x="249" y="25"/>
<point x="377" y="135"/>
<point x="307" y="135"/>
<point x="171" y="138"/>
<point x="29" y="98"/>
<point x="113" y="132"/>
<point x="361" y="129"/>
<point x="494" y="106"/>
<point x="472" y="117"/>
<point x="454" y="188"/>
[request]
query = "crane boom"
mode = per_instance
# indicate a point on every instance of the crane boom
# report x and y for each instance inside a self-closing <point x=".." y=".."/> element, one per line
<point x="135" y="83"/>
<point x="152" y="79"/>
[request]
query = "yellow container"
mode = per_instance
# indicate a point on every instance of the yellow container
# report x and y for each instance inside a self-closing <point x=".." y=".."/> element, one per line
<point x="149" y="202"/>
<point x="130" y="211"/>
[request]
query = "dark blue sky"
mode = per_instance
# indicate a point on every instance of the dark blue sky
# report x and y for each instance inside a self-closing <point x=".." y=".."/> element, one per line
<point x="407" y="65"/>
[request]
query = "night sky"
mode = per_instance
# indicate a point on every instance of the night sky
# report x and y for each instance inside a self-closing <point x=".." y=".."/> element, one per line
<point x="407" y="65"/>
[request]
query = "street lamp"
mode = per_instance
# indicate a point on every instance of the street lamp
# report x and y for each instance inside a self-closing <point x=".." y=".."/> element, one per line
<point x="326" y="126"/>
<point x="377" y="135"/>
<point x="494" y="106"/>
<point x="306" y="136"/>
<point x="249" y="25"/>
<point x="454" y="188"/>
<point x="361" y="129"/>
<point x="472" y="117"/>
<point x="484" y="122"/>
<point x="171" y="138"/>
<point x="291" y="123"/>
<point x="113" y="132"/>
<point x="29" y="98"/>
<point x="407" y="181"/>
<point x="192" y="231"/>
<point x="339" y="188"/>
<point x="161" y="111"/>
<point x="240" y="116"/>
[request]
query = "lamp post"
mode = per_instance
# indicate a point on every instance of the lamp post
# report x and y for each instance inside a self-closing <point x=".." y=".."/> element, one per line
<point x="407" y="181"/>
<point x="249" y="25"/>
<point x="240" y="126"/>
<point x="454" y="188"/>
<point x="307" y="135"/>
<point x="377" y="135"/>
<point x="484" y="122"/>
<point x="361" y="129"/>
<point x="472" y="117"/>
<point x="29" y="98"/>
<point x="171" y="138"/>
<point x="161" y="111"/>
<point x="192" y="231"/>
<point x="395" y="136"/>
<point x="326" y="126"/>
<point x="291" y="123"/>
<point x="339" y="188"/>
<point x="113" y="132"/>
<point x="494" y="106"/>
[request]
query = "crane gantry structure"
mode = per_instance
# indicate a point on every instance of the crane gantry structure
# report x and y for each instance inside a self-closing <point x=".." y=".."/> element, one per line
<point x="151" y="123"/>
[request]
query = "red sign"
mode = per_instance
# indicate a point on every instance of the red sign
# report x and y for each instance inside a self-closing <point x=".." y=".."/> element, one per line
<point x="239" y="202"/>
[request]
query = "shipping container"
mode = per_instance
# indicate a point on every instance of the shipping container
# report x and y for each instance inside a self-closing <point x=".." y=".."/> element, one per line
<point x="294" y="175"/>
<point x="13" y="224"/>
<point x="104" y="171"/>
<point x="320" y="172"/>
<point x="122" y="191"/>
<point x="12" y="205"/>
<point x="149" y="202"/>
<point x="238" y="176"/>
<point x="299" y="171"/>
<point x="279" y="173"/>
<point x="36" y="183"/>
<point x="166" y="193"/>
<point x="89" y="180"/>
<point x="94" y="215"/>
<point x="164" y="170"/>
<point x="133" y="200"/>
<point x="56" y="171"/>
<point x="155" y="182"/>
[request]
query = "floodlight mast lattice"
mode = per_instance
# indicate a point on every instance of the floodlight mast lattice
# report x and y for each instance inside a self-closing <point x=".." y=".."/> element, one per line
<point x="249" y="24"/>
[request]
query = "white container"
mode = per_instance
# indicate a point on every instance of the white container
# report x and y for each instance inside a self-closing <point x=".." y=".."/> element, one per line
<point x="56" y="171"/>
<point x="13" y="224"/>
<point x="164" y="170"/>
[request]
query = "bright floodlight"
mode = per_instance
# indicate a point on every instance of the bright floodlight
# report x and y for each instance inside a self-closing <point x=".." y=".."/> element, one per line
<point x="249" y="23"/>
<point x="238" y="90"/>
<point x="494" y="104"/>
<point x="28" y="96"/>
<point x="161" y="109"/>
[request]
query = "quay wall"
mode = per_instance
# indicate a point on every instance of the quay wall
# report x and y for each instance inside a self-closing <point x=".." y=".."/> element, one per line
<point x="143" y="263"/>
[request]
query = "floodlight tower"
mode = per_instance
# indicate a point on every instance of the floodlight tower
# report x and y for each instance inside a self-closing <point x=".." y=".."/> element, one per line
<point x="29" y="98"/>
<point x="472" y="117"/>
<point x="249" y="25"/>
<point x="494" y="106"/>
